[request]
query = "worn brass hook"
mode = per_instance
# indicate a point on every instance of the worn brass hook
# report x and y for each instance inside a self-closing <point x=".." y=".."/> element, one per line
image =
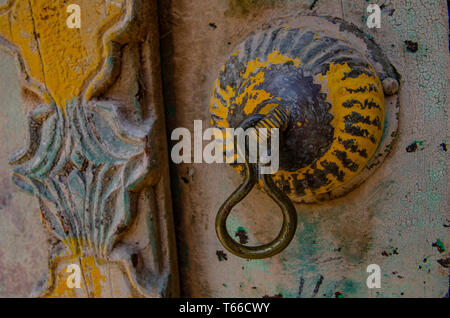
<point x="288" y="227"/>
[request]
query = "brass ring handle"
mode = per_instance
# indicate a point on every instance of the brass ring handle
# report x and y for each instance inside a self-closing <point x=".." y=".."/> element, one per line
<point x="288" y="227"/>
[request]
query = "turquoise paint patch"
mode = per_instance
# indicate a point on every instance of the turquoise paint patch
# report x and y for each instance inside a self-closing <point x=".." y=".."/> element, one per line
<point x="110" y="61"/>
<point x="439" y="245"/>
<point x="351" y="287"/>
<point x="240" y="228"/>
<point x="261" y="265"/>
<point x="233" y="226"/>
<point x="383" y="135"/>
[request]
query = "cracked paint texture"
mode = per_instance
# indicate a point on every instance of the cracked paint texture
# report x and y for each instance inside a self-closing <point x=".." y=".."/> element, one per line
<point x="69" y="70"/>
<point x="398" y="219"/>
<point x="392" y="220"/>
<point x="39" y="30"/>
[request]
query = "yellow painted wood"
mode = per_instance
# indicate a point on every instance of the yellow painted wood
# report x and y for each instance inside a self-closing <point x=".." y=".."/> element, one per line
<point x="74" y="68"/>
<point x="63" y="62"/>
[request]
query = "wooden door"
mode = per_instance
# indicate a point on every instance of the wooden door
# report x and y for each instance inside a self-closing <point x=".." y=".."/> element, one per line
<point x="397" y="219"/>
<point x="94" y="191"/>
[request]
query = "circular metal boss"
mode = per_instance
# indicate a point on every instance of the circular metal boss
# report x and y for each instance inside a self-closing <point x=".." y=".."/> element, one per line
<point x="341" y="95"/>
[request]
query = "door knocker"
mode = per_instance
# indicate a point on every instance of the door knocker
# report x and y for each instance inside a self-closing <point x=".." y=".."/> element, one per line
<point x="332" y="93"/>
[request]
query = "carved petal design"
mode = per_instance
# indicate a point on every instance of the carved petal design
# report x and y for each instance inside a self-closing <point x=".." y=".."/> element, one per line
<point x="82" y="173"/>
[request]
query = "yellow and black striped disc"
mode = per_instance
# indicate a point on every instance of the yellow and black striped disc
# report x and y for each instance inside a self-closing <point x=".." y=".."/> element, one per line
<point x="333" y="94"/>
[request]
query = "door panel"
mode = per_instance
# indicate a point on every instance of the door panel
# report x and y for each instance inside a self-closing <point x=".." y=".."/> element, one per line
<point x="136" y="70"/>
<point x="396" y="219"/>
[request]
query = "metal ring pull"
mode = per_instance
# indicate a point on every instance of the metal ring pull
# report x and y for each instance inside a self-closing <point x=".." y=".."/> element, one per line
<point x="289" y="224"/>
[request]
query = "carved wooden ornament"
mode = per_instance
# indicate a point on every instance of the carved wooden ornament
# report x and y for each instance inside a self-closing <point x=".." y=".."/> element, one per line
<point x="95" y="156"/>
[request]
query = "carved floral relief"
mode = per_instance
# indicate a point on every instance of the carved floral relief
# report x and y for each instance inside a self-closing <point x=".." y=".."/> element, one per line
<point x="93" y="155"/>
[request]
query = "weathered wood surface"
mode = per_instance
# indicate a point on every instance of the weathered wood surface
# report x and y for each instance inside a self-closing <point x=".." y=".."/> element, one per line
<point x="397" y="219"/>
<point x="94" y="152"/>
